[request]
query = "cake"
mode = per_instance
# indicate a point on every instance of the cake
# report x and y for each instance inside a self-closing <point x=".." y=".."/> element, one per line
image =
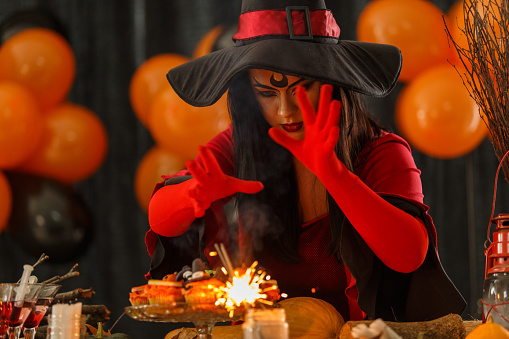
<point x="138" y="296"/>
<point x="203" y="294"/>
<point x="164" y="291"/>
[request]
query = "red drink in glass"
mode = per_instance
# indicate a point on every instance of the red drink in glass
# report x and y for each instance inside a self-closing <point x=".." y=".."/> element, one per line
<point x="38" y="312"/>
<point x="44" y="300"/>
<point x="5" y="314"/>
<point x="20" y="312"/>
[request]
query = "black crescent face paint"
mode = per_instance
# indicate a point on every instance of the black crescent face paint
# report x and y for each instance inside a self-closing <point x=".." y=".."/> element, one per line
<point x="282" y="82"/>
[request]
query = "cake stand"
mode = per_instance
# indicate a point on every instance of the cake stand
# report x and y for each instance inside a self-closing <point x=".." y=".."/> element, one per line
<point x="204" y="317"/>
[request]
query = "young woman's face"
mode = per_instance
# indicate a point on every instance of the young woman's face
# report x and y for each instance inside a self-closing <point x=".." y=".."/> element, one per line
<point x="276" y="94"/>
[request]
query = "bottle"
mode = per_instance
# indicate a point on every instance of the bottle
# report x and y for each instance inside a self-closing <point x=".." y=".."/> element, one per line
<point x="265" y="324"/>
<point x="495" y="298"/>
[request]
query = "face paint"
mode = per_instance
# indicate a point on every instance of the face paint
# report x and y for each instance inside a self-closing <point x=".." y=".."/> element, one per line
<point x="278" y="104"/>
<point x="281" y="82"/>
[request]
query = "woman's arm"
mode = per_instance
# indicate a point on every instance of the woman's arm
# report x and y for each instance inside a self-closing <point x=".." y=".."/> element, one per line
<point x="397" y="238"/>
<point x="173" y="208"/>
<point x="170" y="211"/>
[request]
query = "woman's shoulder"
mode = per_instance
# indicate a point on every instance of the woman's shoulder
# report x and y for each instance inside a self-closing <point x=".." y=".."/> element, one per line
<point x="388" y="139"/>
<point x="386" y="146"/>
<point x="387" y="166"/>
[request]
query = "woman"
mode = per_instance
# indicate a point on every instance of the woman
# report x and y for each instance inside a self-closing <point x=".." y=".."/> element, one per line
<point x="327" y="201"/>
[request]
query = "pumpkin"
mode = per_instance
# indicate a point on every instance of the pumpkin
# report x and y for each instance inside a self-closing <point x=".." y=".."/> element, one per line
<point x="488" y="330"/>
<point x="307" y="318"/>
<point x="99" y="332"/>
<point x="312" y="318"/>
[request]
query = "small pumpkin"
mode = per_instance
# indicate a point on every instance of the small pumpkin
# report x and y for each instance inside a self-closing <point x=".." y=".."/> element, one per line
<point x="99" y="332"/>
<point x="306" y="317"/>
<point x="489" y="330"/>
<point x="312" y="318"/>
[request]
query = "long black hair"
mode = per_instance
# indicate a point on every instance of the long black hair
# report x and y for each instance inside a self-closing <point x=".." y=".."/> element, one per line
<point x="271" y="217"/>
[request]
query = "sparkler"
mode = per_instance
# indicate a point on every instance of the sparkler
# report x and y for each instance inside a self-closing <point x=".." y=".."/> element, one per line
<point x="242" y="290"/>
<point x="225" y="258"/>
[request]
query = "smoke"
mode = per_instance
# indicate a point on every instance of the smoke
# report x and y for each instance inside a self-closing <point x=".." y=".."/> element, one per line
<point x="261" y="226"/>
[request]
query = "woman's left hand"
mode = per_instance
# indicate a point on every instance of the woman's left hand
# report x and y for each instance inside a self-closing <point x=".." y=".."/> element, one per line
<point x="316" y="150"/>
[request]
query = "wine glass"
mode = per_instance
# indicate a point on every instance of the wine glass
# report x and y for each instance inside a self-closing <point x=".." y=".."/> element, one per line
<point x="23" y="300"/>
<point x="5" y="308"/>
<point x="46" y="296"/>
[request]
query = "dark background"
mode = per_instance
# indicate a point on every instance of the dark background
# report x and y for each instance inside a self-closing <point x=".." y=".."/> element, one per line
<point x="110" y="39"/>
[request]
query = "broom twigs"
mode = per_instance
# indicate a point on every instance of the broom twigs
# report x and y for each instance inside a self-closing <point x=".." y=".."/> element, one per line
<point x="58" y="279"/>
<point x="483" y="50"/>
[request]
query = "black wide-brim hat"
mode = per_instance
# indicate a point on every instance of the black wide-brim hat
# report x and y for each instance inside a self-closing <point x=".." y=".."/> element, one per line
<point x="294" y="37"/>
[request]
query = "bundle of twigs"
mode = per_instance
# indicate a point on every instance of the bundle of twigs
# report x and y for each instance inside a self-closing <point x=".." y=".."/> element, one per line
<point x="483" y="48"/>
<point x="94" y="313"/>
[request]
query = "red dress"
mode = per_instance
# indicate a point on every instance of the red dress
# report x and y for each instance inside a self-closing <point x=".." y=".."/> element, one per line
<point x="386" y="165"/>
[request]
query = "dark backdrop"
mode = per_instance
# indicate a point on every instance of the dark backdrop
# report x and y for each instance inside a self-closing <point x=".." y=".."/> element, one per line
<point x="110" y="40"/>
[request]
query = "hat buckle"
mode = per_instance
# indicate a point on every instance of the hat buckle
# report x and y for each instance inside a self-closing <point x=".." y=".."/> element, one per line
<point x="289" y="20"/>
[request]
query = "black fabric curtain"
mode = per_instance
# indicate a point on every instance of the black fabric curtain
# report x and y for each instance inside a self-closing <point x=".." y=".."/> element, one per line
<point x="110" y="40"/>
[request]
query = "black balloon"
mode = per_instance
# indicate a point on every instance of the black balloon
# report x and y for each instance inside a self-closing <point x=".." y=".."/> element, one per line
<point x="48" y="217"/>
<point x="35" y="18"/>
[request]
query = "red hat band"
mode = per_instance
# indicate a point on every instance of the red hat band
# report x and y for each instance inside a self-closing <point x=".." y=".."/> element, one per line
<point x="296" y="22"/>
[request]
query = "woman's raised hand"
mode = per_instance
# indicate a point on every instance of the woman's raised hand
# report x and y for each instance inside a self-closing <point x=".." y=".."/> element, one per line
<point x="321" y="130"/>
<point x="212" y="184"/>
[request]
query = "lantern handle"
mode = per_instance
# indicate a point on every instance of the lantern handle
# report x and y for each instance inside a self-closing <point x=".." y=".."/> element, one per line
<point x="494" y="199"/>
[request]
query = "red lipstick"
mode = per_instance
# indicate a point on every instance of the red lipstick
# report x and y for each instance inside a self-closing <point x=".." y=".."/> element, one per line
<point x="293" y="127"/>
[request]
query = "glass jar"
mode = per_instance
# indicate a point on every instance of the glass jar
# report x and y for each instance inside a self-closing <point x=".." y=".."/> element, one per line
<point x="265" y="324"/>
<point x="496" y="298"/>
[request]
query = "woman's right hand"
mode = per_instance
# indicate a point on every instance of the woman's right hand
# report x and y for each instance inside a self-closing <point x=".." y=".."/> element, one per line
<point x="212" y="184"/>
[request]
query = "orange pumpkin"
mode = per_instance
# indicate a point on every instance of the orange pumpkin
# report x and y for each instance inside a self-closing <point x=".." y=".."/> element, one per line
<point x="307" y="318"/>
<point x="325" y="321"/>
<point x="488" y="330"/>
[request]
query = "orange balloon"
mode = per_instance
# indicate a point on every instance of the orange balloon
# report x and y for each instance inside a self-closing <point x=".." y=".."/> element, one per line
<point x="437" y="116"/>
<point x="148" y="79"/>
<point x="42" y="61"/>
<point x="206" y="43"/>
<point x="155" y="163"/>
<point x="74" y="145"/>
<point x="181" y="128"/>
<point x="6" y="199"/>
<point x="416" y="27"/>
<point x="20" y="124"/>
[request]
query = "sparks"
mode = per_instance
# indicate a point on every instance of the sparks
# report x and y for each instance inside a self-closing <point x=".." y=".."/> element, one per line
<point x="244" y="290"/>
